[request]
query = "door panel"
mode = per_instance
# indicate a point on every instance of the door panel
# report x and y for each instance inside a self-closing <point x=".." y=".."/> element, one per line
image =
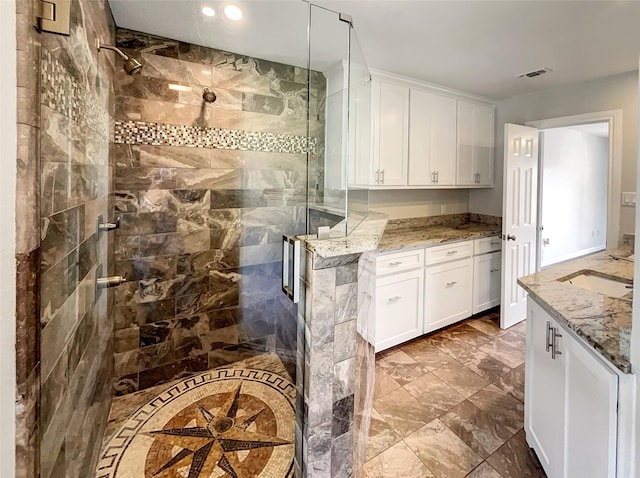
<point x="519" y="218"/>
<point x="432" y="139"/>
<point x="544" y="394"/>
<point x="590" y="415"/>
<point x="448" y="293"/>
<point x="398" y="308"/>
<point x="393" y="134"/>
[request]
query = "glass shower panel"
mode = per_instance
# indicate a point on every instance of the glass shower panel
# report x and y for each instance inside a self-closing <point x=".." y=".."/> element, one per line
<point x="328" y="124"/>
<point x="359" y="128"/>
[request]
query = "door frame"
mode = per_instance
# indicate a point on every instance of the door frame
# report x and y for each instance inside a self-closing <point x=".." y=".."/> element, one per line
<point x="614" y="193"/>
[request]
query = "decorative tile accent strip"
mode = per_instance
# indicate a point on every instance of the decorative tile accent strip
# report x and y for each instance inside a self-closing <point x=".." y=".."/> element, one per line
<point x="61" y="92"/>
<point x="141" y="132"/>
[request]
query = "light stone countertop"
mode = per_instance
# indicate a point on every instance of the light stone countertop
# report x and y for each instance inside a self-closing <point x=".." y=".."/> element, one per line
<point x="400" y="238"/>
<point x="363" y="238"/>
<point x="603" y="322"/>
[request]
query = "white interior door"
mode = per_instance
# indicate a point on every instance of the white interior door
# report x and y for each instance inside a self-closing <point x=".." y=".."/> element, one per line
<point x="519" y="219"/>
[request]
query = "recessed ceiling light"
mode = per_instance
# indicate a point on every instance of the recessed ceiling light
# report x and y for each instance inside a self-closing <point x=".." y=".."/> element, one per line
<point x="233" y="12"/>
<point x="208" y="11"/>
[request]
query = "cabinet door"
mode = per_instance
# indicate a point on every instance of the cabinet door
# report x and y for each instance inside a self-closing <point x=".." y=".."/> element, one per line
<point x="474" y="164"/>
<point x="544" y="392"/>
<point x="392" y="144"/>
<point x="398" y="308"/>
<point x="591" y="400"/>
<point x="361" y="170"/>
<point x="432" y="139"/>
<point x="448" y="290"/>
<point x="486" y="281"/>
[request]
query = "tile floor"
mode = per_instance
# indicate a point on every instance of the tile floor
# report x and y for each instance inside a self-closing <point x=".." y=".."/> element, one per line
<point x="450" y="405"/>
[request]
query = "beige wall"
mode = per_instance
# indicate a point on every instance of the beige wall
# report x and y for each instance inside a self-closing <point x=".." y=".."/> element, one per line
<point x="400" y="204"/>
<point x="611" y="93"/>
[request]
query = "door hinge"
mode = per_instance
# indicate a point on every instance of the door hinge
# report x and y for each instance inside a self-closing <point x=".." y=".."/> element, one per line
<point x="53" y="16"/>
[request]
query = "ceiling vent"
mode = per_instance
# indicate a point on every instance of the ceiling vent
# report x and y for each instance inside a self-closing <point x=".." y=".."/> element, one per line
<point x="533" y="73"/>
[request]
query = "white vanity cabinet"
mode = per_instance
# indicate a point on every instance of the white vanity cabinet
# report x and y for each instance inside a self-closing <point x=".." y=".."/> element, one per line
<point x="398" y="297"/>
<point x="571" y="401"/>
<point x="448" y="284"/>
<point x="487" y="263"/>
<point x="421" y="290"/>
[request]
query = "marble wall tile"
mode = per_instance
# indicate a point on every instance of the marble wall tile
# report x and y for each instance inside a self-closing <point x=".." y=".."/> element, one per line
<point x="344" y="378"/>
<point x="318" y="462"/>
<point x="342" y="416"/>
<point x="27" y="194"/>
<point x="27" y="315"/>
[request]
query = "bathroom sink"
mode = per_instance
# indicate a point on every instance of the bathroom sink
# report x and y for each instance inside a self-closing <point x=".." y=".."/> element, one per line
<point x="589" y="281"/>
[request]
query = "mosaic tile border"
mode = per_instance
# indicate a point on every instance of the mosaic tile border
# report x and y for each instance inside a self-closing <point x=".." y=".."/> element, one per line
<point x="61" y="92"/>
<point x="159" y="134"/>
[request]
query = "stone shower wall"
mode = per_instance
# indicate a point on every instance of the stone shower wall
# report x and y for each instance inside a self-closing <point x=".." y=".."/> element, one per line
<point x="336" y="390"/>
<point x="205" y="192"/>
<point x="64" y="342"/>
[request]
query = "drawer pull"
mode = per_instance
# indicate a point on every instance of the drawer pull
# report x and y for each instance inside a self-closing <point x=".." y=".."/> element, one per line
<point x="494" y="270"/>
<point x="396" y="263"/>
<point x="495" y="243"/>
<point x="450" y="253"/>
<point x="395" y="299"/>
<point x="449" y="284"/>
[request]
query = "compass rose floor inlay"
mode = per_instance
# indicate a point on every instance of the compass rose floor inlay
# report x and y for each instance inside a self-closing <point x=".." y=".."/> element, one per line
<point x="223" y="423"/>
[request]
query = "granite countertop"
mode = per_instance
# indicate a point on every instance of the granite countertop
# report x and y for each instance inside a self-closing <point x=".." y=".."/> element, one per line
<point x="363" y="238"/>
<point x="405" y="237"/>
<point x="603" y="322"/>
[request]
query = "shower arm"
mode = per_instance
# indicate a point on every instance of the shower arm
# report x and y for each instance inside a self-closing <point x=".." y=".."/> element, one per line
<point x="100" y="45"/>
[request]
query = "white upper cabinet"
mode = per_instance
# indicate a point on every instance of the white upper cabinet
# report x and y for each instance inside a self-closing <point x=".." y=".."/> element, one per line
<point x="390" y="133"/>
<point x="404" y="134"/>
<point x="474" y="165"/>
<point x="432" y="139"/>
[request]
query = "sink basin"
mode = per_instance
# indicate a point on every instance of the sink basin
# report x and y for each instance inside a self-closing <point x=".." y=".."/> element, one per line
<point x="610" y="287"/>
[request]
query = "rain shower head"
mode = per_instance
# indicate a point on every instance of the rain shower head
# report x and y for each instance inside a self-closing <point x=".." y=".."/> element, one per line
<point x="130" y="65"/>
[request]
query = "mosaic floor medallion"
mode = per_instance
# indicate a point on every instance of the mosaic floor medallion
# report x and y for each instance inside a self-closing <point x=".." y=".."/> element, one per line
<point x="224" y="423"/>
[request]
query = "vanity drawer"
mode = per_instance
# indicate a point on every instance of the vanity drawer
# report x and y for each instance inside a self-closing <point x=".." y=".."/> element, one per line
<point x="448" y="252"/>
<point x="399" y="261"/>
<point x="487" y="244"/>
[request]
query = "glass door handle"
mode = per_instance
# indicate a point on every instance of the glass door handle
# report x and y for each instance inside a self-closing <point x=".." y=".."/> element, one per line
<point x="291" y="267"/>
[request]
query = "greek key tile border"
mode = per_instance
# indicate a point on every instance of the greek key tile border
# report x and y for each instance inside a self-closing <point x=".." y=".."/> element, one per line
<point x="61" y="92"/>
<point x="141" y="132"/>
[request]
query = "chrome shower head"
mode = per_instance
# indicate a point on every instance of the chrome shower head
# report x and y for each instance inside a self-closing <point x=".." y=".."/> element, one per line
<point x="130" y="65"/>
<point x="208" y="95"/>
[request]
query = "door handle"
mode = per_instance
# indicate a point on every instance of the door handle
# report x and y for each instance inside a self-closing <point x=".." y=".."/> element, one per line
<point x="548" y="343"/>
<point x="291" y="267"/>
<point x="554" y="350"/>
<point x="511" y="237"/>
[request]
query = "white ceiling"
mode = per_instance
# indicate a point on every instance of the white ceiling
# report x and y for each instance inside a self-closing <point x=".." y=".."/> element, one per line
<point x="473" y="46"/>
<point x="598" y="129"/>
